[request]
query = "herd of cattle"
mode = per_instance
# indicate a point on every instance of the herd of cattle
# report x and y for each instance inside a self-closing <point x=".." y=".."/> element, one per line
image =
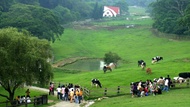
<point x="181" y="77"/>
<point x="142" y="63"/>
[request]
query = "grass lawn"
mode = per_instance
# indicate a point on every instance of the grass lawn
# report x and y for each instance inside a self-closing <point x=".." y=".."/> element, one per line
<point x="131" y="45"/>
<point x="174" y="98"/>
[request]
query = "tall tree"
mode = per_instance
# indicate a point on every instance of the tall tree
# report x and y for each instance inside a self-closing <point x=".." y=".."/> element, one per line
<point x="23" y="59"/>
<point x="97" y="12"/>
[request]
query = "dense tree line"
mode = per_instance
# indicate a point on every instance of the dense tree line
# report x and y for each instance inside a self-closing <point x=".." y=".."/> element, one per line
<point x="43" y="18"/>
<point x="28" y="15"/>
<point x="171" y="16"/>
<point x="39" y="21"/>
<point x="141" y="3"/>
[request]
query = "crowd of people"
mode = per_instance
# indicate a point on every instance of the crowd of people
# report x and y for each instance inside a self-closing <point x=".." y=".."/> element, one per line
<point x="68" y="92"/>
<point x="157" y="86"/>
<point x="24" y="98"/>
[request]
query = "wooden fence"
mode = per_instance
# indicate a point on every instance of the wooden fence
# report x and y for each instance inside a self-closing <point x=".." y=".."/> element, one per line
<point x="99" y="92"/>
<point x="35" y="101"/>
<point x="120" y="90"/>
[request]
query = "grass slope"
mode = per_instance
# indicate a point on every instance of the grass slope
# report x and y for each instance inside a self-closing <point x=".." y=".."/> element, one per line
<point x="131" y="45"/>
<point x="174" y="98"/>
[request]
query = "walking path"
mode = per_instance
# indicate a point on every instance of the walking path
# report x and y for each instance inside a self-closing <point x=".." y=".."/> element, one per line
<point x="59" y="104"/>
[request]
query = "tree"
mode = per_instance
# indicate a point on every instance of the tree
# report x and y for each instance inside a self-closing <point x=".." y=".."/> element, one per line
<point x="123" y="6"/>
<point x="39" y="21"/>
<point x="49" y="3"/>
<point x="185" y="20"/>
<point x="167" y="14"/>
<point x="5" y="5"/>
<point x="97" y="12"/>
<point x="111" y="58"/>
<point x="31" y="2"/>
<point x="64" y="14"/>
<point x="23" y="59"/>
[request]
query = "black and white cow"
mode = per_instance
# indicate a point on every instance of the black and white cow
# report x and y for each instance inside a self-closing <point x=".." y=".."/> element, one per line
<point x="142" y="64"/>
<point x="179" y="80"/>
<point x="96" y="82"/>
<point x="156" y="59"/>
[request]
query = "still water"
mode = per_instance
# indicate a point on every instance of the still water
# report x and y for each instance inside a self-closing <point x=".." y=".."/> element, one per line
<point x="85" y="65"/>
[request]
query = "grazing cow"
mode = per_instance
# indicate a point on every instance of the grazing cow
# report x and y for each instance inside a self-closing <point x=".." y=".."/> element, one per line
<point x="105" y="68"/>
<point x="156" y="59"/>
<point x="96" y="82"/>
<point x="140" y="62"/>
<point x="143" y="65"/>
<point x="184" y="74"/>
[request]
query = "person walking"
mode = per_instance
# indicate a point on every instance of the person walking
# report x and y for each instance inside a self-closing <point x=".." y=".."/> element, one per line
<point x="27" y="93"/>
<point x="66" y="96"/>
<point x="76" y="96"/>
<point x="80" y="95"/>
<point x="63" y="92"/>
<point x="58" y="92"/>
<point x="71" y="94"/>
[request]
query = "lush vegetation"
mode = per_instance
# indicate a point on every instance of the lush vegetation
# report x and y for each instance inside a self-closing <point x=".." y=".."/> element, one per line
<point x="111" y="58"/>
<point x="38" y="21"/>
<point x="23" y="60"/>
<point x="171" y="16"/>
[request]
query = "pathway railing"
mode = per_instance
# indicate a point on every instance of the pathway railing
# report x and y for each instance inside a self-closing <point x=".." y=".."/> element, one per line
<point x="35" y="101"/>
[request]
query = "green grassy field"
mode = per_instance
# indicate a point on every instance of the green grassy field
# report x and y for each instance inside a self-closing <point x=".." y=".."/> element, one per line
<point x="174" y="98"/>
<point x="131" y="45"/>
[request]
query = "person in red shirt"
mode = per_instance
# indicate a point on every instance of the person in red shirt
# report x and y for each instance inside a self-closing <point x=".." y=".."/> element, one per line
<point x="146" y="91"/>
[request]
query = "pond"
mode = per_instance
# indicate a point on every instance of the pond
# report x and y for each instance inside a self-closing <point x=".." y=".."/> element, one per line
<point x="86" y="65"/>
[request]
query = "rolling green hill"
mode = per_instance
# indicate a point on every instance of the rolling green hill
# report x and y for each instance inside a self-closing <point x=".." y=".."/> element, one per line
<point x="93" y="40"/>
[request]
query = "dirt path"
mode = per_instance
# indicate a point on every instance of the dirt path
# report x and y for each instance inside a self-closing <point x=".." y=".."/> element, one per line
<point x="59" y="104"/>
<point x="63" y="103"/>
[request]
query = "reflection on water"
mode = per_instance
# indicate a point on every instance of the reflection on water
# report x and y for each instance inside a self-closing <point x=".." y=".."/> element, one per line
<point x="85" y="65"/>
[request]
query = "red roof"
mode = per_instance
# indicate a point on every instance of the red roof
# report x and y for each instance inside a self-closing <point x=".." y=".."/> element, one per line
<point x="116" y="9"/>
